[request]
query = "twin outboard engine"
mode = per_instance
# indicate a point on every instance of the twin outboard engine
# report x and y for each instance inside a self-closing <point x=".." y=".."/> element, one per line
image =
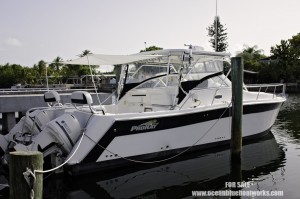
<point x="52" y="130"/>
<point x="63" y="133"/>
<point x="31" y="124"/>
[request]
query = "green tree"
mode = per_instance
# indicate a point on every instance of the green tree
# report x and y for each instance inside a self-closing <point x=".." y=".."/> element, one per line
<point x="286" y="64"/>
<point x="285" y="58"/>
<point x="295" y="50"/>
<point x="56" y="64"/>
<point x="54" y="69"/>
<point x="251" y="57"/>
<point x="6" y="76"/>
<point x="30" y="75"/>
<point x="41" y="68"/>
<point x="85" y="52"/>
<point x="217" y="33"/>
<point x="295" y="46"/>
<point x="151" y="48"/>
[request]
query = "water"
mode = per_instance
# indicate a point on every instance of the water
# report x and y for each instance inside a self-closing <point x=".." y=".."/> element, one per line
<point x="268" y="164"/>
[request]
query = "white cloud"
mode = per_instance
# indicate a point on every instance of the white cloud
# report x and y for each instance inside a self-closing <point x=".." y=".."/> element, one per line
<point x="12" y="42"/>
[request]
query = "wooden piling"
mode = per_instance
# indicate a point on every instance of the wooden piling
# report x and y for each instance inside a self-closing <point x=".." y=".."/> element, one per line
<point x="237" y="69"/>
<point x="18" y="163"/>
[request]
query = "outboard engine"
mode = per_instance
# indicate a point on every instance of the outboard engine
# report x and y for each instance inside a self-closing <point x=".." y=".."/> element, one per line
<point x="63" y="132"/>
<point x="31" y="124"/>
<point x="36" y="121"/>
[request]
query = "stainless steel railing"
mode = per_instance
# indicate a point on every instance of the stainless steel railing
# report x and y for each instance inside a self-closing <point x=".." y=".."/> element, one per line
<point x="263" y="88"/>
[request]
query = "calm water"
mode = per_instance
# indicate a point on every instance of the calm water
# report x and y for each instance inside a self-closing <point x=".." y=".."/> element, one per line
<point x="272" y="163"/>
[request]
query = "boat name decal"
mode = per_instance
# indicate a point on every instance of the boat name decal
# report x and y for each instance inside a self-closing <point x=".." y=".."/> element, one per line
<point x="146" y="126"/>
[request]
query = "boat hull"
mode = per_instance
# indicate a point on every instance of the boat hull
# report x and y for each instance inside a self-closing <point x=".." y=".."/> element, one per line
<point x="128" y="141"/>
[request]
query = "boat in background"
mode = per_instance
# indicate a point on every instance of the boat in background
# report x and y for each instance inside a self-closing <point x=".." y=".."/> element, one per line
<point x="167" y="103"/>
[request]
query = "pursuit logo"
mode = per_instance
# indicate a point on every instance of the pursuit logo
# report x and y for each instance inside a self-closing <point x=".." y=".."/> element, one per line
<point x="146" y="126"/>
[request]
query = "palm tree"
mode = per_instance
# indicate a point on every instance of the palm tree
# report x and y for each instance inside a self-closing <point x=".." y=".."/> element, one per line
<point x="251" y="55"/>
<point x="57" y="63"/>
<point x="41" y="68"/>
<point x="55" y="67"/>
<point x="85" y="52"/>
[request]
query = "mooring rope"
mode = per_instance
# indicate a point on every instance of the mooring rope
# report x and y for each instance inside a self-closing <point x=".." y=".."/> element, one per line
<point x="53" y="169"/>
<point x="79" y="143"/>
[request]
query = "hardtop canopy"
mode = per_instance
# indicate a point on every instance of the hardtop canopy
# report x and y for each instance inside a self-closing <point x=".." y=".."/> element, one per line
<point x="101" y="59"/>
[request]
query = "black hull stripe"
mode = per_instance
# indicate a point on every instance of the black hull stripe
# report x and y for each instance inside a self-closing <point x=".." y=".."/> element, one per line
<point x="122" y="128"/>
<point x="81" y="169"/>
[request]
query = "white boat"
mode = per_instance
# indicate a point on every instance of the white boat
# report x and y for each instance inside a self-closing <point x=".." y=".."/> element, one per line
<point x="168" y="102"/>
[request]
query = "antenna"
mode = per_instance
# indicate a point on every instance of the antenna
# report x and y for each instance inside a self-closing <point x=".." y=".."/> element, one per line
<point x="216" y="7"/>
<point x="216" y="28"/>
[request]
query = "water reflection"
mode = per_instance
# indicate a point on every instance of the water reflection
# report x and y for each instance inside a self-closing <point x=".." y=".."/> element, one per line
<point x="202" y="171"/>
<point x="288" y="124"/>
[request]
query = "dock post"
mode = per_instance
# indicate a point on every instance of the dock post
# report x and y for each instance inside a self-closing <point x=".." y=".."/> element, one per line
<point x="18" y="164"/>
<point x="8" y="122"/>
<point x="237" y="69"/>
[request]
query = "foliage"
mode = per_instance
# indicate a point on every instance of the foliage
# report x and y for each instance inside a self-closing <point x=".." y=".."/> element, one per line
<point x="151" y="48"/>
<point x="218" y="28"/>
<point x="56" y="64"/>
<point x="54" y="70"/>
<point x="287" y="54"/>
<point x="251" y="55"/>
<point x="11" y="74"/>
<point x="84" y="53"/>
<point x="6" y="76"/>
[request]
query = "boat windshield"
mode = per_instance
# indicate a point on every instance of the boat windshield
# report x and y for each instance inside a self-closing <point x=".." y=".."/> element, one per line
<point x="211" y="66"/>
<point x="138" y="73"/>
<point x="163" y="81"/>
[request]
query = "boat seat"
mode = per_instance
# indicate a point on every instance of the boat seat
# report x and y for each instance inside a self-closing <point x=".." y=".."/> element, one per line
<point x="52" y="98"/>
<point x="84" y="98"/>
<point x="81" y="97"/>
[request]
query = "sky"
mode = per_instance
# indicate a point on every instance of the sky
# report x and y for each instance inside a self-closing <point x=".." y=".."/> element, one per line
<point x="35" y="30"/>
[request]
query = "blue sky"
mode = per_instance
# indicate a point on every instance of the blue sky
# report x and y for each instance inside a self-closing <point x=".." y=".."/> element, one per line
<point x="33" y="30"/>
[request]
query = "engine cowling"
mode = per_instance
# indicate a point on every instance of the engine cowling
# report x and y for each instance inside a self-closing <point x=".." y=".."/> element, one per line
<point x="64" y="131"/>
<point x="36" y="121"/>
